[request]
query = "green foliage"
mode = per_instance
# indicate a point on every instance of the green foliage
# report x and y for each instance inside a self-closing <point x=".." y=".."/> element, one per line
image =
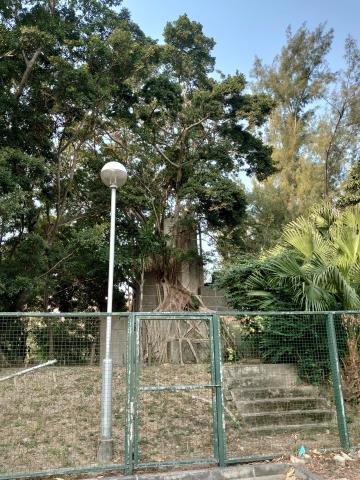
<point x="268" y="296"/>
<point x="312" y="143"/>
<point x="300" y="340"/>
<point x="267" y="213"/>
<point x="248" y="333"/>
<point x="81" y="84"/>
<point x="73" y="341"/>
<point x="314" y="267"/>
<point x="13" y="341"/>
<point x="65" y="66"/>
<point x="351" y="187"/>
<point x="187" y="139"/>
<point x="300" y="66"/>
<point x="187" y="52"/>
<point x="351" y="360"/>
<point x="315" y="264"/>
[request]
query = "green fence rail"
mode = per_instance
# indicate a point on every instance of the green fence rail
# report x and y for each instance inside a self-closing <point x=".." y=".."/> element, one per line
<point x="213" y="388"/>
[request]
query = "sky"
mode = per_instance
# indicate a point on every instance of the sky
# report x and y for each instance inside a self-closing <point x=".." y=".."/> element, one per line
<point x="243" y="29"/>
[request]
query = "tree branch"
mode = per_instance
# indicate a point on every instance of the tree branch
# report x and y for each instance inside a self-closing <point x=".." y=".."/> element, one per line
<point x="165" y="156"/>
<point x="52" y="5"/>
<point x="195" y="124"/>
<point x="118" y="142"/>
<point x="330" y="146"/>
<point x="153" y="205"/>
<point x="56" y="264"/>
<point x="29" y="67"/>
<point x="7" y="55"/>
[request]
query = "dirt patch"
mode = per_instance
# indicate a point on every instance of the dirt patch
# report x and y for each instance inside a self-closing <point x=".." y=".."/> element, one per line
<point x="324" y="466"/>
<point x="50" y="419"/>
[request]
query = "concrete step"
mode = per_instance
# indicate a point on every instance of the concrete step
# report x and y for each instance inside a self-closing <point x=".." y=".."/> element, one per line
<point x="269" y="399"/>
<point x="240" y="369"/>
<point x="280" y="404"/>
<point x="263" y="381"/>
<point x="267" y="393"/>
<point x="289" y="417"/>
<point x="274" y="429"/>
<point x="260" y="375"/>
<point x="263" y="477"/>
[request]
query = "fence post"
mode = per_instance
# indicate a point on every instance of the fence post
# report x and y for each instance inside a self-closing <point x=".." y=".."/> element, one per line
<point x="221" y="437"/>
<point x="129" y="415"/>
<point x="336" y="380"/>
<point x="136" y="390"/>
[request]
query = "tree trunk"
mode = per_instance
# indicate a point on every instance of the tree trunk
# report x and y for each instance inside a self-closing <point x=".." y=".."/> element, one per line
<point x="177" y="341"/>
<point x="26" y="75"/>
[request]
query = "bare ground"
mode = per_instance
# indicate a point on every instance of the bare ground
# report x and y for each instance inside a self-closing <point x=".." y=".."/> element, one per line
<point x="324" y="465"/>
<point x="50" y="419"/>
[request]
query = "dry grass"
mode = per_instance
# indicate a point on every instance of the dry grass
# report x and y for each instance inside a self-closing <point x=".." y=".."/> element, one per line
<point x="50" y="419"/>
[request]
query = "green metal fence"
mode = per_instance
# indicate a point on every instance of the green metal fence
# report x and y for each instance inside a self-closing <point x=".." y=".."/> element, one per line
<point x="283" y="383"/>
<point x="188" y="388"/>
<point x="164" y="390"/>
<point x="50" y="417"/>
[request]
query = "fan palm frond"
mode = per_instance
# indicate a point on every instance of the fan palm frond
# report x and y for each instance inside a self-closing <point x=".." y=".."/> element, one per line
<point x="323" y="216"/>
<point x="351" y="216"/>
<point x="314" y="297"/>
<point x="284" y="266"/>
<point x="258" y="287"/>
<point x="303" y="237"/>
<point x="272" y="252"/>
<point x="315" y="266"/>
<point x="333" y="276"/>
<point x="265" y="300"/>
<point x="354" y="274"/>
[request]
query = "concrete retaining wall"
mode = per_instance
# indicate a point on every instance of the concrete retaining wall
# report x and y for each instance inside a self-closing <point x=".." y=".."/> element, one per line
<point x="214" y="299"/>
<point x="118" y="340"/>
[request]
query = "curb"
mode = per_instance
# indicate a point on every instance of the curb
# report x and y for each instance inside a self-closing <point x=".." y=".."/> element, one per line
<point x="238" y="472"/>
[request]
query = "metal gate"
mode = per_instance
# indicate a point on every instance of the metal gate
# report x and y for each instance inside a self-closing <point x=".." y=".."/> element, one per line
<point x="139" y="385"/>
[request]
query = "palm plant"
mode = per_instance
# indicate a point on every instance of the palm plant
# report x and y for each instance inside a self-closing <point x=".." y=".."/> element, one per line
<point x="314" y="267"/>
<point x="317" y="263"/>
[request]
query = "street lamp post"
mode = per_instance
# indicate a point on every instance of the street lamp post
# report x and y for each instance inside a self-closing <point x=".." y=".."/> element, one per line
<point x="113" y="175"/>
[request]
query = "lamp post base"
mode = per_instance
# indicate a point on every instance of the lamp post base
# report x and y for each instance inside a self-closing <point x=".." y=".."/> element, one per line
<point x="105" y="450"/>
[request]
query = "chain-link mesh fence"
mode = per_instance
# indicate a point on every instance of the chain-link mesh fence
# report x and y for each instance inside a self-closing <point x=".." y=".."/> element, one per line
<point x="289" y="380"/>
<point x="279" y="382"/>
<point x="50" y="416"/>
<point x="348" y="341"/>
<point x="175" y="419"/>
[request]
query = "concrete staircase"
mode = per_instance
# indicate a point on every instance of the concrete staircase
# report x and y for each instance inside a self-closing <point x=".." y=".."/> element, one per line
<point x="269" y="398"/>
